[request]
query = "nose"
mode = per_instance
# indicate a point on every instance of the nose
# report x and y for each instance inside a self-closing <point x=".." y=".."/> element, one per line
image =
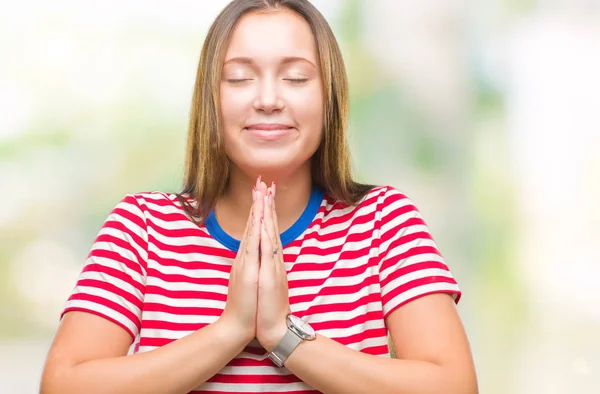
<point x="268" y="97"/>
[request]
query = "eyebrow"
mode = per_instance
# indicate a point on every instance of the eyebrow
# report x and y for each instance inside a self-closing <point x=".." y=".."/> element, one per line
<point x="285" y="60"/>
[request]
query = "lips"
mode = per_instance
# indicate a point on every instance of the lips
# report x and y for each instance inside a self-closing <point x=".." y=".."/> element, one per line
<point x="270" y="131"/>
<point x="269" y="126"/>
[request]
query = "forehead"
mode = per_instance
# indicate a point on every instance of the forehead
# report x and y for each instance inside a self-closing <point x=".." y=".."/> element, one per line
<point x="272" y="34"/>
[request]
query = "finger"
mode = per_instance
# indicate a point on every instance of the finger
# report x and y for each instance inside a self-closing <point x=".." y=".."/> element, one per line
<point x="269" y="219"/>
<point x="266" y="260"/>
<point x="248" y="229"/>
<point x="276" y="238"/>
<point x="275" y="222"/>
<point x="263" y="188"/>
<point x="257" y="208"/>
<point x="252" y="241"/>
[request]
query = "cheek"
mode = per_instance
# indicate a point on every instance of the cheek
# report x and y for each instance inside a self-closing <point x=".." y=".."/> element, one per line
<point x="234" y="106"/>
<point x="311" y="112"/>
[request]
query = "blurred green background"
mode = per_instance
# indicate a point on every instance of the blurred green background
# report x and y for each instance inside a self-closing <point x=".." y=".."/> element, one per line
<point x="485" y="113"/>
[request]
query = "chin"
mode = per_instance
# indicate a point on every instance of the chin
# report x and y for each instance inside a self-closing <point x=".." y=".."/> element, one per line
<point x="282" y="162"/>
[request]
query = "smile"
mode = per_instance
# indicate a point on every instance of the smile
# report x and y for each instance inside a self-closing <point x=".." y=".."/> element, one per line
<point x="270" y="131"/>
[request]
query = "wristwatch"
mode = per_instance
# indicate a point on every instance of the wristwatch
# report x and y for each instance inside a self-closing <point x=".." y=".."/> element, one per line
<point x="297" y="331"/>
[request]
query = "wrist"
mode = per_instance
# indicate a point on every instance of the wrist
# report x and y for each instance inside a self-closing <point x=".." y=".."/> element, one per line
<point x="232" y="330"/>
<point x="272" y="338"/>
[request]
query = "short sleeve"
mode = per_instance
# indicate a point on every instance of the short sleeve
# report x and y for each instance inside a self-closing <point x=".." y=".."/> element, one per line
<point x="112" y="281"/>
<point x="410" y="264"/>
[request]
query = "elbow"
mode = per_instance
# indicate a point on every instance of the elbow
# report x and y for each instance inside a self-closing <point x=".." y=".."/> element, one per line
<point x="52" y="381"/>
<point x="462" y="381"/>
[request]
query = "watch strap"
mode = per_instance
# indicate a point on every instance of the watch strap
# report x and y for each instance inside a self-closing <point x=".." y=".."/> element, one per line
<point x="285" y="347"/>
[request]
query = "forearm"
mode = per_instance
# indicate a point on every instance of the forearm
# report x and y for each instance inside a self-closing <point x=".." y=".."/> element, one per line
<point x="331" y="367"/>
<point x="175" y="368"/>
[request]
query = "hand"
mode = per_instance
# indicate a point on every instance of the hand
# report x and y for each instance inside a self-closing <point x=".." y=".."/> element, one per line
<point x="242" y="294"/>
<point x="273" y="294"/>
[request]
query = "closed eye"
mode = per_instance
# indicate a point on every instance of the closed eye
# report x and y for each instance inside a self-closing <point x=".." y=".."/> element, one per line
<point x="237" y="81"/>
<point x="296" y="80"/>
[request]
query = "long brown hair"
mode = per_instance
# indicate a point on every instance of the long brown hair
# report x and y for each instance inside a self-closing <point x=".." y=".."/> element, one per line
<point x="207" y="165"/>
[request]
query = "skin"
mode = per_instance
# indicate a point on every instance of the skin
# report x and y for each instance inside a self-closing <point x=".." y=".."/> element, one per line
<point x="270" y="75"/>
<point x="433" y="350"/>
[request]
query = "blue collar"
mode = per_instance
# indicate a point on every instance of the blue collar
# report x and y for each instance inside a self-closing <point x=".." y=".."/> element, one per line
<point x="314" y="203"/>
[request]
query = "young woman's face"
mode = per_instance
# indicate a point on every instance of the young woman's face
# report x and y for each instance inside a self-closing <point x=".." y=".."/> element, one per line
<point x="271" y="93"/>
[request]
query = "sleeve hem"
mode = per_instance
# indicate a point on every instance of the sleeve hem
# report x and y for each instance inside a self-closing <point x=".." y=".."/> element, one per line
<point x="93" y="312"/>
<point x="456" y="295"/>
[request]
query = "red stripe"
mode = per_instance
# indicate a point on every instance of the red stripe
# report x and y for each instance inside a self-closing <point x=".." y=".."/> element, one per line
<point x="263" y="392"/>
<point x="124" y="212"/>
<point x="190" y="230"/>
<point x="342" y="324"/>
<point x="397" y="291"/>
<point x="401" y="271"/>
<point x="111" y="239"/>
<point x="335" y="273"/>
<point x="361" y="336"/>
<point x="412" y="252"/>
<point x="169" y="262"/>
<point x="112" y="288"/>
<point x="115" y="273"/>
<point x="341" y="306"/>
<point x="182" y="310"/>
<point x="177" y="278"/>
<point x="455" y="293"/>
<point x="190" y="248"/>
<point x="254" y="379"/>
<point x="376" y="350"/>
<point x="186" y="294"/>
<point x="336" y="290"/>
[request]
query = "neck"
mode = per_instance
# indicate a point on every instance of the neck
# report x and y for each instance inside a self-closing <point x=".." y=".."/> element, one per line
<point x="293" y="193"/>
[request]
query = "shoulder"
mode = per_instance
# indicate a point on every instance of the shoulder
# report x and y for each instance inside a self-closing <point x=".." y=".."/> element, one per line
<point x="378" y="202"/>
<point x="147" y="199"/>
<point x="147" y="204"/>
<point x="378" y="198"/>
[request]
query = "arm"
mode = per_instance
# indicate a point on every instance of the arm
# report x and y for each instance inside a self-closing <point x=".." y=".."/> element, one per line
<point x="89" y="355"/>
<point x="433" y="351"/>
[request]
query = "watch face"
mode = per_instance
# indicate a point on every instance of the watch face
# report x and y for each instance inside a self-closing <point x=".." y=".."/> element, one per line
<point x="304" y="328"/>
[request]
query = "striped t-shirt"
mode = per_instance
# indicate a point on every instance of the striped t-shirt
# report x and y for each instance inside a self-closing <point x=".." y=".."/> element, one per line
<point x="158" y="275"/>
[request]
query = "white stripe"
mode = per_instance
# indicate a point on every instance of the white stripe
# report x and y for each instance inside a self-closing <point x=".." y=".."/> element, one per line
<point x="110" y="296"/>
<point x="254" y="388"/>
<point x="128" y="287"/>
<point x="186" y="286"/>
<point x="177" y="318"/>
<point x="167" y="254"/>
<point x="417" y="291"/>
<point x="420" y="274"/>
<point x="334" y="299"/>
<point x="330" y="281"/>
<point x="415" y="259"/>
<point x="101" y="309"/>
<point x="182" y="270"/>
<point x="353" y="330"/>
<point x="358" y="311"/>
<point x="184" y="302"/>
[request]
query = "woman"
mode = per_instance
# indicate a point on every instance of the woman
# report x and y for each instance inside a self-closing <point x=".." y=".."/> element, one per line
<point x="287" y="281"/>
